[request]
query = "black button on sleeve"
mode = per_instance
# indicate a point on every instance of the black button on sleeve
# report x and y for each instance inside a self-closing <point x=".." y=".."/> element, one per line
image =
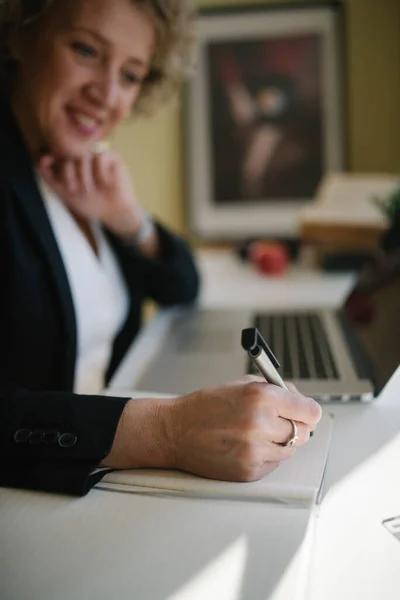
<point x="21" y="436"/>
<point x="51" y="436"/>
<point x="36" y="437"/>
<point x="67" y="440"/>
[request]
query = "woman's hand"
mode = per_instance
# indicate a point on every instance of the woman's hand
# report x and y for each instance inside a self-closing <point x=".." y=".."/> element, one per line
<point x="96" y="188"/>
<point x="231" y="432"/>
<point x="235" y="432"/>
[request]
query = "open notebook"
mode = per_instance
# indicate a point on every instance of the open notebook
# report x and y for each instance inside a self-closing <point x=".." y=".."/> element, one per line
<point x="298" y="480"/>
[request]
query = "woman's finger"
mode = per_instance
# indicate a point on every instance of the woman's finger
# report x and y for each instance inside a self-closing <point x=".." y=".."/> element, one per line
<point x="85" y="175"/>
<point x="69" y="176"/>
<point x="284" y="431"/>
<point x="292" y="388"/>
<point x="297" y="407"/>
<point x="101" y="170"/>
<point x="47" y="170"/>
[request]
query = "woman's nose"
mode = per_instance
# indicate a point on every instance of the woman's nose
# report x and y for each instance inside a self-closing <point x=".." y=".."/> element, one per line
<point x="104" y="90"/>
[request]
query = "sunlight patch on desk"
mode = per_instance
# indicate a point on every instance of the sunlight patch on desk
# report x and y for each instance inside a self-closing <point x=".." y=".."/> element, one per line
<point x="220" y="580"/>
<point x="294" y="582"/>
<point x="354" y="510"/>
<point x="365" y="484"/>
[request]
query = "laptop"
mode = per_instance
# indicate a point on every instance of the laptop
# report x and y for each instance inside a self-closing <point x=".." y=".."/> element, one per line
<point x="331" y="355"/>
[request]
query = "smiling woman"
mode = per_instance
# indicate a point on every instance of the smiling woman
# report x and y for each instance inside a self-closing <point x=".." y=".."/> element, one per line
<point x="76" y="52"/>
<point x="171" y="61"/>
<point x="79" y="256"/>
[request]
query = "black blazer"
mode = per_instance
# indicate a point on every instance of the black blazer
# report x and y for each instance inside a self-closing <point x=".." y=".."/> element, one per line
<point x="51" y="438"/>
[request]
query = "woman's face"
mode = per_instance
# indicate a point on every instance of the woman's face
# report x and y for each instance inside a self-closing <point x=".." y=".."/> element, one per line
<point x="81" y="70"/>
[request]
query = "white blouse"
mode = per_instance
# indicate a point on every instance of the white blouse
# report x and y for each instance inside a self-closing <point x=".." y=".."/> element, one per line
<point x="98" y="291"/>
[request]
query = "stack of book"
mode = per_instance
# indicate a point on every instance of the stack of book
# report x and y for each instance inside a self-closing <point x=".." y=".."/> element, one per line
<point x="345" y="224"/>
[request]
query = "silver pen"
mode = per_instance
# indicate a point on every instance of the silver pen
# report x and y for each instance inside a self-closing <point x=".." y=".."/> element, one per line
<point x="262" y="356"/>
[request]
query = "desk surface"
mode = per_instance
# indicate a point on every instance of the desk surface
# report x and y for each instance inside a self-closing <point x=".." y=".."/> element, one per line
<point x="300" y="287"/>
<point x="153" y="547"/>
<point x="354" y="555"/>
<point x="124" y="546"/>
<point x="355" y="488"/>
<point x="157" y="548"/>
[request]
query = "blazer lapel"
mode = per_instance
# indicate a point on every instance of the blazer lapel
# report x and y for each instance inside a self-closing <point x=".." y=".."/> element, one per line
<point x="26" y="192"/>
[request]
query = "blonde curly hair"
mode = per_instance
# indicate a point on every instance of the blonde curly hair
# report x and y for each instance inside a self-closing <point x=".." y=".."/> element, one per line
<point x="172" y="61"/>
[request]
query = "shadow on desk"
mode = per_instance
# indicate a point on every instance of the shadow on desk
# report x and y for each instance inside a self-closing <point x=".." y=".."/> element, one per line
<point x="112" y="545"/>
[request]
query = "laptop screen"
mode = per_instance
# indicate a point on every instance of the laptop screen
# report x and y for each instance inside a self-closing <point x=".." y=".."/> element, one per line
<point x="373" y="312"/>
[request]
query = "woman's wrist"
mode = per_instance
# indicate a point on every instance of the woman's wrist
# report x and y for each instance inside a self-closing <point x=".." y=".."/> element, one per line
<point x="144" y="436"/>
<point x="143" y="236"/>
<point x="126" y="224"/>
<point x="144" y="232"/>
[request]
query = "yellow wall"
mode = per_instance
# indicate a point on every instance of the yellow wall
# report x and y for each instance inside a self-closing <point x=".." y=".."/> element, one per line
<point x="373" y="51"/>
<point x="153" y="147"/>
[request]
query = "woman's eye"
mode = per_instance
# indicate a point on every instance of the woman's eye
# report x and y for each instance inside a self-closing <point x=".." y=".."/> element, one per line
<point x="84" y="49"/>
<point x="131" y="78"/>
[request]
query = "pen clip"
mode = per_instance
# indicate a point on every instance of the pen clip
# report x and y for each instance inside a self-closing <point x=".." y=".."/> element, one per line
<point x="252" y="339"/>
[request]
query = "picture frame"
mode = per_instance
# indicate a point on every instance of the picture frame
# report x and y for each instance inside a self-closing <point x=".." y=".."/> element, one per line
<point x="264" y="117"/>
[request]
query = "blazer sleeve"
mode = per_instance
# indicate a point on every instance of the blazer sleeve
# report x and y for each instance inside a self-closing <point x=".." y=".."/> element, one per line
<point x="55" y="441"/>
<point x="172" y="278"/>
<point x="48" y="440"/>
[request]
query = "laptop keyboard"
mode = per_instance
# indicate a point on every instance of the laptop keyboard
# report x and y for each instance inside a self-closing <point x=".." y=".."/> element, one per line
<point x="300" y="343"/>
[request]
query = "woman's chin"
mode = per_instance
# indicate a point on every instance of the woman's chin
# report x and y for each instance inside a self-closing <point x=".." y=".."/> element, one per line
<point x="70" y="150"/>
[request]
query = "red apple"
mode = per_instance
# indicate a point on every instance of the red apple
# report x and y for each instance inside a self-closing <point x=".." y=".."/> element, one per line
<point x="272" y="258"/>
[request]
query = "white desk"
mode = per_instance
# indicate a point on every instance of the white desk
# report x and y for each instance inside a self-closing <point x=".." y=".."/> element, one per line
<point x="148" y="547"/>
<point x="142" y="547"/>
<point x="227" y="282"/>
<point x="354" y="556"/>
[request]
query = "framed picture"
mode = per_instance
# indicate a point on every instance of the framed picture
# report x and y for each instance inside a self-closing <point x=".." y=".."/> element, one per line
<point x="264" y="117"/>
